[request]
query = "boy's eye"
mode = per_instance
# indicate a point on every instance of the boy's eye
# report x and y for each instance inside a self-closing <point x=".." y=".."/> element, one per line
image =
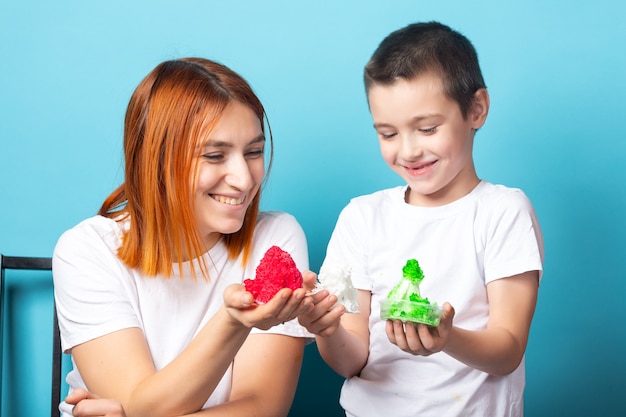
<point x="428" y="130"/>
<point x="386" y="135"/>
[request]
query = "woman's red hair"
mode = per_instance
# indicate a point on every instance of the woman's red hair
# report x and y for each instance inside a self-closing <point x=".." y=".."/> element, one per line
<point x="177" y="104"/>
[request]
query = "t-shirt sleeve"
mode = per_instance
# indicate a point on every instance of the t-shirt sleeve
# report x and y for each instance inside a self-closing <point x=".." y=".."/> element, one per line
<point x="514" y="242"/>
<point x="90" y="296"/>
<point x="348" y="246"/>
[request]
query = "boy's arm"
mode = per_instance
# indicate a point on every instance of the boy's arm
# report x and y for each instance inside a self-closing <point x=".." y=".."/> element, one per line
<point x="342" y="339"/>
<point x="500" y="347"/>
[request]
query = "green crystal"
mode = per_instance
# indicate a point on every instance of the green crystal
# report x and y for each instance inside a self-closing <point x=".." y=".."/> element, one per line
<point x="406" y="302"/>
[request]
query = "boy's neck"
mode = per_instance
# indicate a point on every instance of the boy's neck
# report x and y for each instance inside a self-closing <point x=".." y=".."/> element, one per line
<point x="443" y="196"/>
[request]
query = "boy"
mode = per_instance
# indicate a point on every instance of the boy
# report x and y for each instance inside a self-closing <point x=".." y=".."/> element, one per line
<point x="479" y="245"/>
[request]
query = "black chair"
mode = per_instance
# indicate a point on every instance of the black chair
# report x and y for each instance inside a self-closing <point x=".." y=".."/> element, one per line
<point x="33" y="264"/>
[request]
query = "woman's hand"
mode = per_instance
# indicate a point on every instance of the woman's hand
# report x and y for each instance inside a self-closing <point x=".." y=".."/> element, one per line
<point x="418" y="338"/>
<point x="323" y="319"/>
<point x="87" y="404"/>
<point x="285" y="306"/>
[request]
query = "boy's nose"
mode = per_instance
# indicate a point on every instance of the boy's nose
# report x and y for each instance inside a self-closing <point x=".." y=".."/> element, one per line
<point x="410" y="147"/>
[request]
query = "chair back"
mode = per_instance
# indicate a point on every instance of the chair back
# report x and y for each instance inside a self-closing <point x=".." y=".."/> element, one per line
<point x="33" y="264"/>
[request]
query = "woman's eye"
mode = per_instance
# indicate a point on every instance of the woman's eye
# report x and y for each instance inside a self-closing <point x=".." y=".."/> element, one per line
<point x="255" y="153"/>
<point x="213" y="157"/>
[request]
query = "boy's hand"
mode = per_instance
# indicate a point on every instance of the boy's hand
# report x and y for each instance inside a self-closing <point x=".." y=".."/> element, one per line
<point x="420" y="339"/>
<point x="323" y="319"/>
<point x="285" y="306"/>
<point x="87" y="404"/>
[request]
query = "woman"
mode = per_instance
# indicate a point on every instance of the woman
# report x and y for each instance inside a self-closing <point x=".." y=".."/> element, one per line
<point x="149" y="293"/>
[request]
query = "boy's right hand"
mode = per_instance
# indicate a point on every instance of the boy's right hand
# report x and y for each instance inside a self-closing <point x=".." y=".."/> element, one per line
<point x="324" y="319"/>
<point x="420" y="339"/>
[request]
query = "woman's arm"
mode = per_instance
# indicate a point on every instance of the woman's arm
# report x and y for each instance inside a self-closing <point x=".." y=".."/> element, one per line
<point x="265" y="377"/>
<point x="119" y="365"/>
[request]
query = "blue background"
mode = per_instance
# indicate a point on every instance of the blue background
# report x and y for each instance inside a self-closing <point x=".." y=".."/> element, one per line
<point x="555" y="72"/>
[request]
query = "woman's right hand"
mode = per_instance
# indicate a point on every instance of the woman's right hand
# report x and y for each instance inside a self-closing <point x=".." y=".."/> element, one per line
<point x="285" y="306"/>
<point x="87" y="404"/>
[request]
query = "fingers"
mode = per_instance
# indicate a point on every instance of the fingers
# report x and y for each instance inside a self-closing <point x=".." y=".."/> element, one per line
<point x="287" y="305"/>
<point x="78" y="395"/>
<point x="448" y="313"/>
<point x="284" y="306"/>
<point x="236" y="296"/>
<point x="98" y="407"/>
<point x="325" y="317"/>
<point x="414" y="338"/>
<point x="418" y="338"/>
<point x="87" y="404"/>
<point x="309" y="279"/>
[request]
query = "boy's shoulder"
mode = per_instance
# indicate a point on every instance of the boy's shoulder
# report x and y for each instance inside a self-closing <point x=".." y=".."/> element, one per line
<point x="488" y="191"/>
<point x="497" y="199"/>
<point x="380" y="196"/>
<point x="371" y="205"/>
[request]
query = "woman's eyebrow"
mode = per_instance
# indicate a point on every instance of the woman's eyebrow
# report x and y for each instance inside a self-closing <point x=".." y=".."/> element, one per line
<point x="260" y="138"/>
<point x="217" y="143"/>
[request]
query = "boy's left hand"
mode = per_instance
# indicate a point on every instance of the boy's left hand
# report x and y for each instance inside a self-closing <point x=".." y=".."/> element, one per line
<point x="418" y="338"/>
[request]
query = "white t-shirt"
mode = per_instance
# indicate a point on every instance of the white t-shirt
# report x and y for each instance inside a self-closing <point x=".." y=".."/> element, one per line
<point x="97" y="294"/>
<point x="489" y="234"/>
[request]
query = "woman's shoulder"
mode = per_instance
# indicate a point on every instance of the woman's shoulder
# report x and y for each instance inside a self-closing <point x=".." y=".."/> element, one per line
<point x="276" y="222"/>
<point x="93" y="231"/>
<point x="273" y="217"/>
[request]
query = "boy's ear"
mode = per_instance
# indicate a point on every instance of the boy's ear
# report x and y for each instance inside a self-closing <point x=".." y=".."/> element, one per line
<point x="480" y="108"/>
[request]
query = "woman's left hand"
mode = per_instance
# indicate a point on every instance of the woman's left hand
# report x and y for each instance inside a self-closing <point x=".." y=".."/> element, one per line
<point x="284" y="306"/>
<point x="418" y="338"/>
<point x="87" y="404"/>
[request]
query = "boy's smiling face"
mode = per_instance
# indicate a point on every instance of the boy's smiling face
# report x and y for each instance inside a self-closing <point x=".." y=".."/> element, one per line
<point x="425" y="139"/>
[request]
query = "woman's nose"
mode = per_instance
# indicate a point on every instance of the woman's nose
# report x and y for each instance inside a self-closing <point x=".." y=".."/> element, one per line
<point x="239" y="175"/>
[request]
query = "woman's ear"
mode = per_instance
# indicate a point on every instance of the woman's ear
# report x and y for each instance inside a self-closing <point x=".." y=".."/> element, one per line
<point x="480" y="108"/>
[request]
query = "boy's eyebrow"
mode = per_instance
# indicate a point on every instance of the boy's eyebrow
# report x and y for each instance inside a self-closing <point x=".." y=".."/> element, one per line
<point x="415" y="119"/>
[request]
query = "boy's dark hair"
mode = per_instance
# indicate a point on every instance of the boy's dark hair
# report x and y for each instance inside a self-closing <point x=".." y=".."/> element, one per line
<point x="428" y="47"/>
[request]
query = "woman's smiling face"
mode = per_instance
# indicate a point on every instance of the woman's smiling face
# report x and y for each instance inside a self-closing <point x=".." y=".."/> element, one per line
<point x="230" y="171"/>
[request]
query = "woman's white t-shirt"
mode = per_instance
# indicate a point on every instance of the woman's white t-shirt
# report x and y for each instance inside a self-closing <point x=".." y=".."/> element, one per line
<point x="97" y="294"/>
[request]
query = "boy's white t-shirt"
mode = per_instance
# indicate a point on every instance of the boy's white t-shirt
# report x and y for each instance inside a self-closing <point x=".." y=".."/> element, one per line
<point x="489" y="234"/>
<point x="97" y="294"/>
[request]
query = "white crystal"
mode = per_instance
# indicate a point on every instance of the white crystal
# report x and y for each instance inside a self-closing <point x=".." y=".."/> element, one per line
<point x="338" y="281"/>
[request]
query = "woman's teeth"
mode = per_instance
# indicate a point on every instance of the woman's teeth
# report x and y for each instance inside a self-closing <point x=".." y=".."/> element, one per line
<point x="228" y="200"/>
